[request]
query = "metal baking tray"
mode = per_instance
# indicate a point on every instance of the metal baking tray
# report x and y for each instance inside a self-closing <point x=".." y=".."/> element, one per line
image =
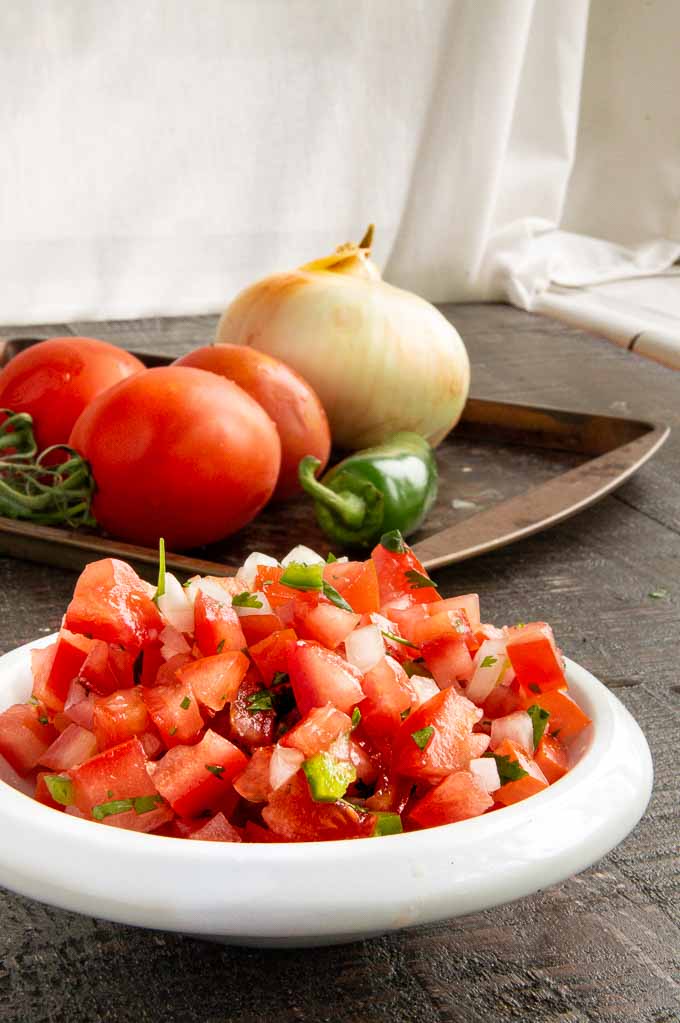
<point x="506" y="471"/>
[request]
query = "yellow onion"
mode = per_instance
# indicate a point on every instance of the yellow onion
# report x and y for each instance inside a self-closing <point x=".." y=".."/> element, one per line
<point x="380" y="359"/>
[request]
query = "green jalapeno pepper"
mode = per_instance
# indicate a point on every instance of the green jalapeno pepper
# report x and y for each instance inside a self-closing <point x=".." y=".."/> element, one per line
<point x="391" y="486"/>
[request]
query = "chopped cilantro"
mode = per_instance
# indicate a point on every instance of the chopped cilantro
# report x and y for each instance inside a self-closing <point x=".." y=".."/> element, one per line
<point x="422" y="736"/>
<point x="539" y="719"/>
<point x="393" y="541"/>
<point x="43" y="720"/>
<point x="658" y="594"/>
<point x="260" y="700"/>
<point x="160" y="588"/>
<point x="331" y="558"/>
<point x="281" y="678"/>
<point x="405" y="713"/>
<point x="303" y="577"/>
<point x="216" y="769"/>
<point x="186" y="703"/>
<point x="109" y="794"/>
<point x="32" y="700"/>
<point x="173" y="730"/>
<point x="220" y="646"/>
<point x="398" y="639"/>
<point x="534" y="688"/>
<point x="332" y="594"/>
<point x="418" y="581"/>
<point x="144" y="804"/>
<point x="140" y="804"/>
<point x="356" y="717"/>
<point x="246" y="599"/>
<point x="488" y="662"/>
<point x="508" y="769"/>
<point x="520" y="625"/>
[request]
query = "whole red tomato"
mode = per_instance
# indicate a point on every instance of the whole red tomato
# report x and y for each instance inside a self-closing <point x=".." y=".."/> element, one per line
<point x="56" y="379"/>
<point x="283" y="394"/>
<point x="179" y="453"/>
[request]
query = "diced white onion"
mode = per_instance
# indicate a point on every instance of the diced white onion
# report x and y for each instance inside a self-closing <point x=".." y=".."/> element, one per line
<point x="423" y="688"/>
<point x="385" y="624"/>
<point x="518" y="727"/>
<point x="175" y="605"/>
<point x="248" y="569"/>
<point x="211" y="587"/>
<point x="486" y="773"/>
<point x="484" y="679"/>
<point x="365" y="647"/>
<point x="340" y="748"/>
<point x="535" y="771"/>
<point x="302" y="555"/>
<point x="265" y="609"/>
<point x="283" y="765"/>
<point x="173" y="643"/>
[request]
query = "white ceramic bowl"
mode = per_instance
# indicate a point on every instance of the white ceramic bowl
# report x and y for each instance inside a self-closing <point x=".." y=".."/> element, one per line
<point x="324" y="892"/>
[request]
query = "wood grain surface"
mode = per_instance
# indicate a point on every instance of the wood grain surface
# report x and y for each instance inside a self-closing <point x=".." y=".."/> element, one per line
<point x="603" y="947"/>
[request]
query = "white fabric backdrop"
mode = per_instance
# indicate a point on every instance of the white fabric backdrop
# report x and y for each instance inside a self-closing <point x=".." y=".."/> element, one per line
<point x="155" y="157"/>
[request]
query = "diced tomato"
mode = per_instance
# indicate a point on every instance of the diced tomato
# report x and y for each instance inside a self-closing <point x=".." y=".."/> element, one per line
<point x="42" y="659"/>
<point x="25" y="735"/>
<point x="449" y="660"/>
<point x="79" y="706"/>
<point x="392" y="569"/>
<point x="215" y="680"/>
<point x="218" y="829"/>
<point x="452" y="624"/>
<point x="51" y="688"/>
<point x="258" y="627"/>
<point x="253" y="782"/>
<point x="388" y="696"/>
<point x="325" y="623"/>
<point x="317" y="730"/>
<point x="174" y="711"/>
<point x="566" y="717"/>
<point x="117" y="773"/>
<point x="532" y="782"/>
<point x="111" y="602"/>
<point x="271" y="654"/>
<point x="256" y="833"/>
<point x="293" y="814"/>
<point x="42" y="793"/>
<point x="319" y="677"/>
<point x="167" y="673"/>
<point x="448" y="748"/>
<point x="357" y="582"/>
<point x="119" y="716"/>
<point x="74" y="746"/>
<point x="552" y="758"/>
<point x="501" y="701"/>
<point x="217" y="627"/>
<point x="267" y="582"/>
<point x="152" y="662"/>
<point x="408" y="619"/>
<point x="107" y="668"/>
<point x="468" y="603"/>
<point x="535" y="658"/>
<point x="456" y="798"/>
<point x="250" y="727"/>
<point x="198" y="778"/>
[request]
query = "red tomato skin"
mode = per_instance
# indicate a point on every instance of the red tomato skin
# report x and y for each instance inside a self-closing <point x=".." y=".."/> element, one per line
<point x="179" y="453"/>
<point x="448" y="658"/>
<point x="357" y="582"/>
<point x="452" y="743"/>
<point x="271" y="653"/>
<point x="392" y="568"/>
<point x="566" y="717"/>
<point x="456" y="798"/>
<point x="42" y="793"/>
<point x="217" y="829"/>
<point x="117" y="773"/>
<point x="118" y="717"/>
<point x="288" y="400"/>
<point x="23" y="737"/>
<point x="216" y="626"/>
<point x="319" y="677"/>
<point x="534" y="656"/>
<point x="253" y="782"/>
<point x="107" y="668"/>
<point x="55" y="380"/>
<point x="325" y="623"/>
<point x="69" y="656"/>
<point x="258" y="627"/>
<point x="111" y="602"/>
<point x="253" y="729"/>
<point x="515" y="791"/>
<point x="552" y="758"/>
<point x="182" y="776"/>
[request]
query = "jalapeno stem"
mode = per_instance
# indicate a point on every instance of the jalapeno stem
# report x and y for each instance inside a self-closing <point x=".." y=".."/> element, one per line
<point x="350" y="508"/>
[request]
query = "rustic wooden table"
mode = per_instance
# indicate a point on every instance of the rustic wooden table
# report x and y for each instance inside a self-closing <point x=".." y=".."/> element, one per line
<point x="604" y="946"/>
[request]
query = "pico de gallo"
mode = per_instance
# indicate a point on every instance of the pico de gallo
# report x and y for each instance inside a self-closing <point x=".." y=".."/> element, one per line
<point x="297" y="701"/>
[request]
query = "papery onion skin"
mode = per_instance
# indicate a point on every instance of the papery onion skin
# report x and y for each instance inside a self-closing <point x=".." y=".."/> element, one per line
<point x="380" y="359"/>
